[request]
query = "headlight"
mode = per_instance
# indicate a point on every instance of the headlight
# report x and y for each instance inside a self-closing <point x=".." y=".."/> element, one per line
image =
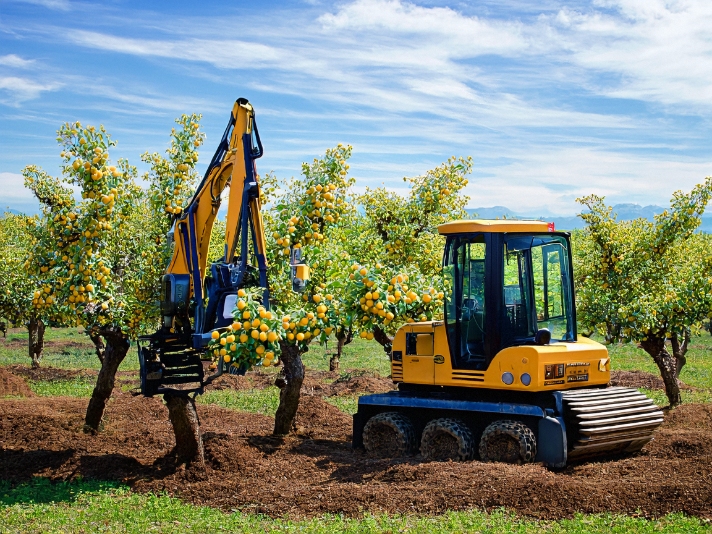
<point x="508" y="378"/>
<point x="526" y="379"/>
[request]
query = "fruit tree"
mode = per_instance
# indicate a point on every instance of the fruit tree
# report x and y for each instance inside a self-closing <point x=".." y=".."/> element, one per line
<point x="18" y="280"/>
<point x="304" y="215"/>
<point x="395" y="276"/>
<point x="104" y="250"/>
<point x="646" y="282"/>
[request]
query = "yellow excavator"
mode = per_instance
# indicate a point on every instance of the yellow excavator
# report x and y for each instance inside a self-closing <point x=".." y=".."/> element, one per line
<point x="194" y="304"/>
<point x="505" y="376"/>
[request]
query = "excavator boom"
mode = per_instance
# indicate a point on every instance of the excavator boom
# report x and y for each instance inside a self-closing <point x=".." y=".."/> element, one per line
<point x="172" y="355"/>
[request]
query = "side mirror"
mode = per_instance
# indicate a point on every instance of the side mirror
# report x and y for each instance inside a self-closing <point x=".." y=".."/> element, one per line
<point x="300" y="271"/>
<point x="542" y="336"/>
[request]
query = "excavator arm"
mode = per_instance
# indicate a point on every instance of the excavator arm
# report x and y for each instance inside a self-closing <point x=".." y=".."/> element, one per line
<point x="194" y="304"/>
<point x="232" y="166"/>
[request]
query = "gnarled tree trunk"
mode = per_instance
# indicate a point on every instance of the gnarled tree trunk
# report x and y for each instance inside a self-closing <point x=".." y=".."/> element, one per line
<point x="290" y="385"/>
<point x="334" y="362"/>
<point x="36" y="329"/>
<point x="655" y="346"/>
<point x="336" y="358"/>
<point x="679" y="350"/>
<point x="384" y="339"/>
<point x="342" y="339"/>
<point x="186" y="428"/>
<point x="117" y="345"/>
<point x="99" y="346"/>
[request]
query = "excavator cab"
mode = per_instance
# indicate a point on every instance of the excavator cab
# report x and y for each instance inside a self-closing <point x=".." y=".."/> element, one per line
<point x="505" y="290"/>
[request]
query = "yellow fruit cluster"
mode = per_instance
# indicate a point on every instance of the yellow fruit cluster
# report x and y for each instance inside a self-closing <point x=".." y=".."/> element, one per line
<point x="174" y="178"/>
<point x="438" y="190"/>
<point x="253" y="339"/>
<point x="316" y="203"/>
<point x="383" y="303"/>
<point x="304" y="326"/>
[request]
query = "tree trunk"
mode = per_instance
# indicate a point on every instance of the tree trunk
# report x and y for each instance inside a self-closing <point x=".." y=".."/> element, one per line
<point x="186" y="428"/>
<point x="99" y="346"/>
<point x="290" y="386"/>
<point x="384" y="339"/>
<point x="679" y="350"/>
<point x="117" y="345"/>
<point x="343" y="338"/>
<point x="336" y="358"/>
<point x="36" y="329"/>
<point x="655" y="346"/>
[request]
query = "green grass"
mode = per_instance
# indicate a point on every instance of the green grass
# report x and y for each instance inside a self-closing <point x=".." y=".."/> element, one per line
<point x="75" y="387"/>
<point x="346" y="403"/>
<point x="84" y="506"/>
<point x="81" y="355"/>
<point x="700" y="396"/>
<point x="697" y="372"/>
<point x="264" y="401"/>
<point x="359" y="354"/>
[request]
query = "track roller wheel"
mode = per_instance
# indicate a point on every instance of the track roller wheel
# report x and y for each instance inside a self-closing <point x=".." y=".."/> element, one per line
<point x="447" y="439"/>
<point x="508" y="441"/>
<point x="389" y="434"/>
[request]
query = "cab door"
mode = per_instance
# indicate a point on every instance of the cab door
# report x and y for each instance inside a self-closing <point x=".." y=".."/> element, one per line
<point x="418" y="364"/>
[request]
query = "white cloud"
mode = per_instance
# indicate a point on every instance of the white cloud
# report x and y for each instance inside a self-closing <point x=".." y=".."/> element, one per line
<point x="13" y="189"/>
<point x="223" y="53"/>
<point x="57" y="5"/>
<point x="404" y="83"/>
<point x="23" y="89"/>
<point x="376" y="67"/>
<point x="455" y="34"/>
<point x="548" y="181"/>
<point x="660" y="51"/>
<point x="12" y="60"/>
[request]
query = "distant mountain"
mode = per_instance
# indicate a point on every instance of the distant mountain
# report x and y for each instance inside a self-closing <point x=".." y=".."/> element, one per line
<point x="624" y="212"/>
<point x="496" y="212"/>
<point x="627" y="212"/>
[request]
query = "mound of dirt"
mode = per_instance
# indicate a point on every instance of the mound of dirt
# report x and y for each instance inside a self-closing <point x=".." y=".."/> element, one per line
<point x="360" y="384"/>
<point x="13" y="386"/>
<point x="51" y="373"/>
<point x="228" y="381"/>
<point x="315" y="471"/>
<point x="318" y="419"/>
<point x="640" y="379"/>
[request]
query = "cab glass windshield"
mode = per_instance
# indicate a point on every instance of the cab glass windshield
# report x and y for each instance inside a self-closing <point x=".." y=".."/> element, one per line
<point x="537" y="288"/>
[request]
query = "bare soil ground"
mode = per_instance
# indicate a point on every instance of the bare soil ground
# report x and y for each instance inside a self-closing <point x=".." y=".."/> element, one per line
<point x="315" y="471"/>
<point x="640" y="379"/>
<point x="12" y="385"/>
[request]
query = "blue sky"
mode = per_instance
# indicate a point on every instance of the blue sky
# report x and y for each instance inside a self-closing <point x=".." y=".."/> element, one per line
<point x="552" y="102"/>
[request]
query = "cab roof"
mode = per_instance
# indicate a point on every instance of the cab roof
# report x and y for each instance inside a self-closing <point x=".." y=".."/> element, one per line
<point x="469" y="226"/>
